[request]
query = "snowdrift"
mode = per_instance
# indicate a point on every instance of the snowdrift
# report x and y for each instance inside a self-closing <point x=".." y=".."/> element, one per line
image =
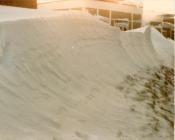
<point x="164" y="47"/>
<point x="58" y="79"/>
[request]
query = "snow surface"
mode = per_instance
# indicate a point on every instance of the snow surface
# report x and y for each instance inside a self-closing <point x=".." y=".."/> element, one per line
<point x="163" y="46"/>
<point x="58" y="78"/>
<point x="8" y="13"/>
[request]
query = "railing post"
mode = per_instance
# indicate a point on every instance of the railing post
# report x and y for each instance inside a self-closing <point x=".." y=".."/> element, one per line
<point x="97" y="12"/>
<point x="132" y="20"/>
<point x="110" y="17"/>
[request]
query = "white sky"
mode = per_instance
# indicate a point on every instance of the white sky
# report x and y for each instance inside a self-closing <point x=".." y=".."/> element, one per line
<point x="166" y="6"/>
<point x="156" y="7"/>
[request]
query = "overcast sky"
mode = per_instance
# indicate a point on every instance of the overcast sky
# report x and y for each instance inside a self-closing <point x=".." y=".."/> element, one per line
<point x="166" y="6"/>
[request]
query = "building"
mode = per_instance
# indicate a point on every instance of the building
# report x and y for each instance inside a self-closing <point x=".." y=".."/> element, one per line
<point x="165" y="24"/>
<point x="126" y="15"/>
<point x="20" y="3"/>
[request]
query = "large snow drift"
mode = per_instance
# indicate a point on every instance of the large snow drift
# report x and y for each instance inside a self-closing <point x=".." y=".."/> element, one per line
<point x="58" y="79"/>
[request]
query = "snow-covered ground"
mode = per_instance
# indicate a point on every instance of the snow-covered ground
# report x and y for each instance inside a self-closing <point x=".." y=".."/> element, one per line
<point x="68" y="76"/>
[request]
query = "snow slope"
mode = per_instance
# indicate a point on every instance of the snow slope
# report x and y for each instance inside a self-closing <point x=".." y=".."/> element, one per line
<point x="164" y="47"/>
<point x="59" y="78"/>
<point x="8" y="13"/>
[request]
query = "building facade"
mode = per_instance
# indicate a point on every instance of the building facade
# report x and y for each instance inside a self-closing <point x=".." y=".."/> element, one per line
<point x="165" y="24"/>
<point x="20" y="3"/>
<point x="115" y="12"/>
